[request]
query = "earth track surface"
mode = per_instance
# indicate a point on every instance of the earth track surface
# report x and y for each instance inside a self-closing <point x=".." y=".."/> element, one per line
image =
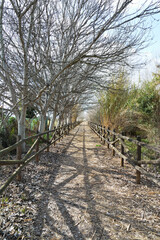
<point x="78" y="191"/>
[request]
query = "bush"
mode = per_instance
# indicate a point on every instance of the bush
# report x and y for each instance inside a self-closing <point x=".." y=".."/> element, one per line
<point x="8" y="133"/>
<point x="134" y="110"/>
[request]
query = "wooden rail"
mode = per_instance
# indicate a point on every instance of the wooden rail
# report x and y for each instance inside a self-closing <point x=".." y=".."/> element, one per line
<point x="117" y="142"/>
<point x="51" y="138"/>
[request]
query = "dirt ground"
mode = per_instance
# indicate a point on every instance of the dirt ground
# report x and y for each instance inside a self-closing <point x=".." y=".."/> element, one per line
<point x="78" y="191"/>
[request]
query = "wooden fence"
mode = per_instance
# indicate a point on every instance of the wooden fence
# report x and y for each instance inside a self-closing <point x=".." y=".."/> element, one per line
<point x="39" y="140"/>
<point x="118" y="143"/>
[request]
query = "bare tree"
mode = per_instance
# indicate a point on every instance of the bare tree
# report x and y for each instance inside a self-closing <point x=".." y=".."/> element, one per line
<point x="55" y="53"/>
<point x="15" y="46"/>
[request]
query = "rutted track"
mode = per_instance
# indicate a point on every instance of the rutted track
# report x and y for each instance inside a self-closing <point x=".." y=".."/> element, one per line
<point x="78" y="191"/>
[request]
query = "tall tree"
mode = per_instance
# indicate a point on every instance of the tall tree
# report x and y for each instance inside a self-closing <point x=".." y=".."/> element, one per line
<point x="43" y="42"/>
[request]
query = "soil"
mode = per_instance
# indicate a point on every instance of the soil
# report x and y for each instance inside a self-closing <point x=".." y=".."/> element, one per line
<point x="79" y="191"/>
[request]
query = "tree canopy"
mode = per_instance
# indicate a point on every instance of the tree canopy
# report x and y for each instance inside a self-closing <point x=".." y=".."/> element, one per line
<point x="55" y="54"/>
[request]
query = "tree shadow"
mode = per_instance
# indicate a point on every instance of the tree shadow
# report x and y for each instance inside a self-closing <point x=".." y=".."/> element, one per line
<point x="98" y="228"/>
<point x="64" y="194"/>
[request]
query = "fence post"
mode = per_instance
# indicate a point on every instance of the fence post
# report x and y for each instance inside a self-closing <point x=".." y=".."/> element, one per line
<point x="48" y="141"/>
<point x="54" y="138"/>
<point x="101" y="133"/>
<point x="104" y="135"/>
<point x="37" y="149"/>
<point x="62" y="130"/>
<point x="138" y="173"/>
<point x="108" y="133"/>
<point x="59" y="133"/>
<point x="122" y="151"/>
<point x="65" y="127"/>
<point x="114" y="138"/>
<point x="19" y="154"/>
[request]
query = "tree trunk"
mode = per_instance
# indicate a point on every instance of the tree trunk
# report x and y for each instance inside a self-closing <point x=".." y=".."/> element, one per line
<point x="70" y="118"/>
<point x="42" y="123"/>
<point x="21" y="127"/>
<point x="65" y="119"/>
<point x="52" y="120"/>
<point x="1" y="32"/>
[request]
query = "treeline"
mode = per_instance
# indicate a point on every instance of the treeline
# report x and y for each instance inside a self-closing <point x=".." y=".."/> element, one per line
<point x="9" y="128"/>
<point x="130" y="108"/>
<point x="55" y="54"/>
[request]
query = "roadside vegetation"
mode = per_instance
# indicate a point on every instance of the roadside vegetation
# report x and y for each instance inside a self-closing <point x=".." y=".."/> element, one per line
<point x="130" y="108"/>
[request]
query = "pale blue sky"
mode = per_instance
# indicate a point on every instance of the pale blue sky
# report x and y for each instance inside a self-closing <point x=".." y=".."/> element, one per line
<point x="155" y="48"/>
<point x="152" y="53"/>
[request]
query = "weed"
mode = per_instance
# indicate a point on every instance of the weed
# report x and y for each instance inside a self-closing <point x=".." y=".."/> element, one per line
<point x="23" y="210"/>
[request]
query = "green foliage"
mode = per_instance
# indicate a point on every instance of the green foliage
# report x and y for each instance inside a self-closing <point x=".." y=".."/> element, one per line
<point x="34" y="124"/>
<point x="5" y="199"/>
<point x="147" y="99"/>
<point x="132" y="109"/>
<point x="148" y="105"/>
<point x="115" y="99"/>
<point x="8" y="132"/>
<point x="146" y="153"/>
<point x="11" y="121"/>
<point x="3" y="202"/>
<point x="23" y="210"/>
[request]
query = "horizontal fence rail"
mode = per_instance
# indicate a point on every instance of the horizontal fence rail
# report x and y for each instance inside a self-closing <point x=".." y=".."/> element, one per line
<point x="51" y="137"/>
<point x="118" y="143"/>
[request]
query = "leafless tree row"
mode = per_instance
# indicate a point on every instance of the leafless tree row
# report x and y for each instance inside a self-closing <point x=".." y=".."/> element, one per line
<point x="56" y="53"/>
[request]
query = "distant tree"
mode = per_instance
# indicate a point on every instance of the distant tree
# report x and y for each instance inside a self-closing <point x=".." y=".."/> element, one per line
<point x="113" y="101"/>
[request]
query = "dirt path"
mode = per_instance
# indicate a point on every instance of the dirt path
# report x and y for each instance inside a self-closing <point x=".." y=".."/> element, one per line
<point x="78" y="191"/>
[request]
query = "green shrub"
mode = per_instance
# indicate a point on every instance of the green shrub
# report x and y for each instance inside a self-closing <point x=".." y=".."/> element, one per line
<point x="8" y="132"/>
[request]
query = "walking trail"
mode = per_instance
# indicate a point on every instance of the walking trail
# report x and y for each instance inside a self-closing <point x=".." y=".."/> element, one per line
<point x="79" y="191"/>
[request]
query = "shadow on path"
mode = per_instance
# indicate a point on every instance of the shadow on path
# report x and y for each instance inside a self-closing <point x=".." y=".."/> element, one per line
<point x="49" y="190"/>
<point x="98" y="229"/>
<point x="61" y="191"/>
